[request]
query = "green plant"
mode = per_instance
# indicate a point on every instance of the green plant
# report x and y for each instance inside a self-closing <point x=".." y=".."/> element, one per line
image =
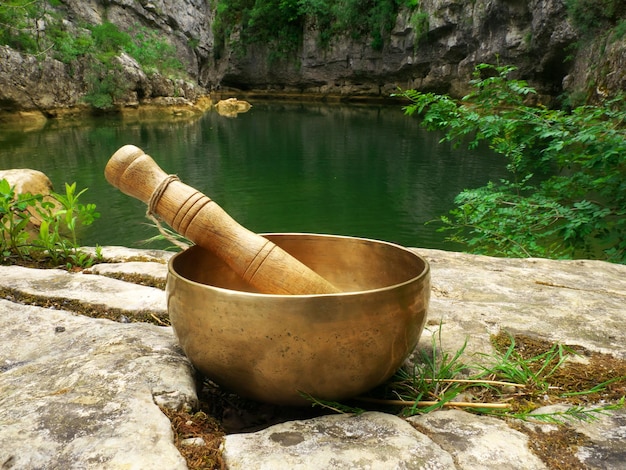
<point x="56" y="239"/>
<point x="95" y="45"/>
<point x="108" y="39"/>
<point x="429" y="383"/>
<point x="534" y="372"/>
<point x="152" y="52"/>
<point x="566" y="196"/>
<point x="590" y="16"/>
<point x="15" y="216"/>
<point x="619" y="31"/>
<point x="105" y="83"/>
<point x="18" y="24"/>
<point x="421" y="24"/>
<point x="506" y="383"/>
<point x="281" y="22"/>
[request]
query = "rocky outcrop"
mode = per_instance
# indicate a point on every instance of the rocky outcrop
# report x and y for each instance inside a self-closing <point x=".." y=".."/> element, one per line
<point x="51" y="88"/>
<point x="87" y="393"/>
<point x="607" y="76"/>
<point x="437" y="53"/>
<point x="533" y="35"/>
<point x="25" y="180"/>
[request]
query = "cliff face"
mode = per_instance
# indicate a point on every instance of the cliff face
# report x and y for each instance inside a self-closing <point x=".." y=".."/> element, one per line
<point x="438" y="55"/>
<point x="532" y="35"/>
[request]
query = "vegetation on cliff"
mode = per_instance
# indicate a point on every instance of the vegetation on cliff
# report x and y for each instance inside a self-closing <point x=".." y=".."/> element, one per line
<point x="592" y="16"/>
<point x="567" y="193"/>
<point x="37" y="27"/>
<point x="281" y="22"/>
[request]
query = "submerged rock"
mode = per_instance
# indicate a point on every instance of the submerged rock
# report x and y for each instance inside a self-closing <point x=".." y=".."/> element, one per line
<point x="232" y="106"/>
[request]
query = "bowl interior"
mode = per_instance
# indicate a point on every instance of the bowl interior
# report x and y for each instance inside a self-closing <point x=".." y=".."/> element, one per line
<point x="351" y="264"/>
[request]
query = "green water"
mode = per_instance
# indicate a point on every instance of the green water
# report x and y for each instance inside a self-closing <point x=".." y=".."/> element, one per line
<point x="364" y="171"/>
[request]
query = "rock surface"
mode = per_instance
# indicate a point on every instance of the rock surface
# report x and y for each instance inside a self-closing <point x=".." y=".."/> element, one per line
<point x="438" y="55"/>
<point x="84" y="393"/>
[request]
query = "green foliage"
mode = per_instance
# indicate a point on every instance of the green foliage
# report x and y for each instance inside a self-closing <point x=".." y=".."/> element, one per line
<point x="591" y="16"/>
<point x="95" y="45"/>
<point x="619" y="31"/>
<point x="56" y="240"/>
<point x="109" y="40"/>
<point x="567" y="193"/>
<point x="281" y="22"/>
<point x="18" y="24"/>
<point x="105" y="83"/>
<point x="69" y="47"/>
<point x="421" y="24"/>
<point x="14" y="217"/>
<point x="153" y="53"/>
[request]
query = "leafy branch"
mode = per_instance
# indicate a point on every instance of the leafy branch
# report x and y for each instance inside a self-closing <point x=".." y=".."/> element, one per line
<point x="565" y="197"/>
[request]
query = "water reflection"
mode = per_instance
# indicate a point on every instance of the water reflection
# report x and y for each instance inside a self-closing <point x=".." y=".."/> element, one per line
<point x="364" y="171"/>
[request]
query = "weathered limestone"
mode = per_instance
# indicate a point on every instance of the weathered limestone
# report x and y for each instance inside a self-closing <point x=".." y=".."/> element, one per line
<point x="232" y="106"/>
<point x="478" y="442"/>
<point x="83" y="393"/>
<point x="370" y="440"/>
<point x="438" y="54"/>
<point x="26" y="180"/>
<point x="570" y="302"/>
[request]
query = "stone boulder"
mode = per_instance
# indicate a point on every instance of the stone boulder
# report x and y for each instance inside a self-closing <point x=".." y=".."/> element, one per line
<point x="25" y="180"/>
<point x="88" y="393"/>
<point x="231" y="107"/>
<point x="29" y="181"/>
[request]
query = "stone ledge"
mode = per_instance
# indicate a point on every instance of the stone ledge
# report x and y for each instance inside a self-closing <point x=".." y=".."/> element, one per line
<point x="84" y="393"/>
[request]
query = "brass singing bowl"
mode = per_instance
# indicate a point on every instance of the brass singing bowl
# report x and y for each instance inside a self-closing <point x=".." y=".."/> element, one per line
<point x="275" y="348"/>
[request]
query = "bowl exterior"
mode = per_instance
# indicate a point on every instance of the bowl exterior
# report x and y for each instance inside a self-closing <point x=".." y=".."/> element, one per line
<point x="274" y="348"/>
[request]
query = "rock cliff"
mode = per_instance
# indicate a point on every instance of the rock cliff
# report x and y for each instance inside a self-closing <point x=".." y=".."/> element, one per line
<point x="457" y="35"/>
<point x="438" y="54"/>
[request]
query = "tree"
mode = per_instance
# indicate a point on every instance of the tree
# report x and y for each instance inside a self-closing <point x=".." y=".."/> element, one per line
<point x="566" y="197"/>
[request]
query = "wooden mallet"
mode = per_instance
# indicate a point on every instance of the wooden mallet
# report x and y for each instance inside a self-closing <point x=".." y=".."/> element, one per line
<point x="257" y="260"/>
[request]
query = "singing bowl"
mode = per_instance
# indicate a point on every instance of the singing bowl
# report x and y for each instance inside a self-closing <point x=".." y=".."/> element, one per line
<point x="275" y="348"/>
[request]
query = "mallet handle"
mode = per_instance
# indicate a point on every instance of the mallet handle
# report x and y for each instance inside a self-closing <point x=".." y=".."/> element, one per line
<point x="257" y="260"/>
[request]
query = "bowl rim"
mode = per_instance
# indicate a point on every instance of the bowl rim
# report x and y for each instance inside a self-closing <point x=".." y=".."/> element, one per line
<point x="423" y="274"/>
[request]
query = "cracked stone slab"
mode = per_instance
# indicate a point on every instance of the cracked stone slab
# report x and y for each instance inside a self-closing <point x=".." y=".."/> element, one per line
<point x="120" y="254"/>
<point x="478" y="441"/>
<point x="87" y="288"/>
<point x="83" y="393"/>
<point x="152" y="269"/>
<point x="602" y="444"/>
<point x="371" y="440"/>
<point x="578" y="302"/>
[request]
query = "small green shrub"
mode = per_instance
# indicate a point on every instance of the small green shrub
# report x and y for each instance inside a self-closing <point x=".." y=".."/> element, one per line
<point x="56" y="240"/>
<point x="69" y="47"/>
<point x="108" y="39"/>
<point x="18" y="24"/>
<point x="421" y="24"/>
<point x="619" y="31"/>
<point x="105" y="83"/>
<point x="153" y="53"/>
<point x="96" y="46"/>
